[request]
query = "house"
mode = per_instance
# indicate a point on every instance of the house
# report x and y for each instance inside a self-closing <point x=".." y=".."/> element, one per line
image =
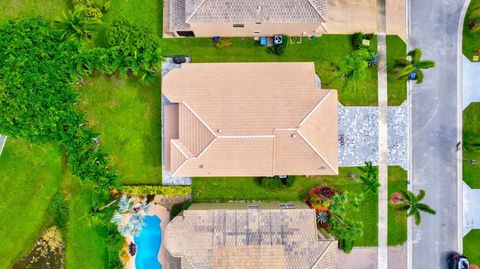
<point x="249" y="119"/>
<point x="207" y="18"/>
<point x="249" y="238"/>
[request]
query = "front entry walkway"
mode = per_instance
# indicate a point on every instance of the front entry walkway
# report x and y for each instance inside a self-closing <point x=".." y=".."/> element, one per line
<point x="471" y="209"/>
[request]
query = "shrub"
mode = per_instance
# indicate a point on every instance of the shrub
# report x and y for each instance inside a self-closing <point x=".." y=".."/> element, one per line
<point x="271" y="182"/>
<point x="177" y="208"/>
<point x="114" y="241"/>
<point x="137" y="50"/>
<point x="94" y="9"/>
<point x="357" y="40"/>
<point x="158" y="190"/>
<point x="289" y="181"/>
<point x="58" y="210"/>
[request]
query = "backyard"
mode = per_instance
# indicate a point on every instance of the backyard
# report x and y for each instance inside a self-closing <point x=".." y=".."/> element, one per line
<point x="471" y="41"/>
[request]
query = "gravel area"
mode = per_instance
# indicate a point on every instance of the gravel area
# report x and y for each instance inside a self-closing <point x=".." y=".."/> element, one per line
<point x="358" y="135"/>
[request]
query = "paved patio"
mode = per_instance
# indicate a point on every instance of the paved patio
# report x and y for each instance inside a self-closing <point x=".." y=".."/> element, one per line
<point x="358" y="135"/>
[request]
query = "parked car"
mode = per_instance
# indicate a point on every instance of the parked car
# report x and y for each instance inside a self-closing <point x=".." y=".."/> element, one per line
<point x="458" y="261"/>
<point x="179" y="59"/>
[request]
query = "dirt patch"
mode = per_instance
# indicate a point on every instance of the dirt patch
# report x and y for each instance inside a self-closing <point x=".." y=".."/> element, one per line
<point x="47" y="253"/>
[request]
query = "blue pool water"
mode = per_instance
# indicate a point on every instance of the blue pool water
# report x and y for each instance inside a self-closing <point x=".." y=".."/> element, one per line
<point x="148" y="244"/>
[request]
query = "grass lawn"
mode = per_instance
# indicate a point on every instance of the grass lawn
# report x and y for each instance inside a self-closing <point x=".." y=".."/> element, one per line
<point x="148" y="13"/>
<point x="326" y="51"/>
<point x="126" y="113"/>
<point x="471" y="243"/>
<point x="471" y="146"/>
<point x="30" y="175"/>
<point x="27" y="8"/>
<point x="397" y="220"/>
<point x="397" y="89"/>
<point x="226" y="189"/>
<point x="85" y="239"/>
<point x="471" y="41"/>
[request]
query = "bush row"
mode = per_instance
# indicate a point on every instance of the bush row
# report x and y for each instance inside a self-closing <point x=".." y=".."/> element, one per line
<point x="158" y="190"/>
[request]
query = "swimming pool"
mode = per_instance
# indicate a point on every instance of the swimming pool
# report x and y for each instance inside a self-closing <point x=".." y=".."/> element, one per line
<point x="148" y="244"/>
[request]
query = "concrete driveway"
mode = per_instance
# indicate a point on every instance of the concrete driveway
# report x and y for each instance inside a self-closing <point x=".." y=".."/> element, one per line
<point x="435" y="130"/>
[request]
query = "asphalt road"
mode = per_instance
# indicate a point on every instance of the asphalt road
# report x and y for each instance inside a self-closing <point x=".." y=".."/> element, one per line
<point x="434" y="27"/>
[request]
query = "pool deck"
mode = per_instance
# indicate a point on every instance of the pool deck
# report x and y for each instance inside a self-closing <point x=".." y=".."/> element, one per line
<point x="163" y="255"/>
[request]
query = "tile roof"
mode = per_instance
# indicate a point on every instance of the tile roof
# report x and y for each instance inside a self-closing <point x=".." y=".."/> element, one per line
<point x="266" y="11"/>
<point x="273" y="238"/>
<point x="252" y="119"/>
<point x="183" y="12"/>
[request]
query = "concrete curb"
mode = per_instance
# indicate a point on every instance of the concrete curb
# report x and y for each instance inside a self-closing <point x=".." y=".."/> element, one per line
<point x="3" y="141"/>
<point x="460" y="126"/>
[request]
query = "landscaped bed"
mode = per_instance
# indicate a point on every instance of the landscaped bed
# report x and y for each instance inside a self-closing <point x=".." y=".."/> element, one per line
<point x="471" y="41"/>
<point x="471" y="145"/>
<point x="397" y="220"/>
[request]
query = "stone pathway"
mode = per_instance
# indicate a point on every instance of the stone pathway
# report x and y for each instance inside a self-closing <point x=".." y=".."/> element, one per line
<point x="167" y="178"/>
<point x="471" y="209"/>
<point x="471" y="93"/>
<point x="358" y="135"/>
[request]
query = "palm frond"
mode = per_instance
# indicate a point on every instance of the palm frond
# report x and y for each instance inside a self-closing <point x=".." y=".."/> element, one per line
<point x="417" y="218"/>
<point x="420" y="76"/>
<point x="420" y="196"/>
<point x="425" y="208"/>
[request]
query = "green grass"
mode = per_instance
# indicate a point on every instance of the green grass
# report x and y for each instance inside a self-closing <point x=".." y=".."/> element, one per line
<point x="85" y="239"/>
<point x="29" y="177"/>
<point x="471" y="243"/>
<point x="148" y="13"/>
<point x="471" y="134"/>
<point x="226" y="189"/>
<point x="471" y="41"/>
<point x="397" y="220"/>
<point x="126" y="113"/>
<point x="326" y="52"/>
<point x="397" y="89"/>
<point x="27" y="8"/>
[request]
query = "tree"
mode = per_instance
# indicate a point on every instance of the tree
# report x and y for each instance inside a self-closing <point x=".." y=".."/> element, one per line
<point x="411" y="68"/>
<point x="75" y="25"/>
<point x="346" y="232"/>
<point x="411" y="204"/>
<point x="353" y="68"/>
<point x="129" y="216"/>
<point x="369" y="177"/>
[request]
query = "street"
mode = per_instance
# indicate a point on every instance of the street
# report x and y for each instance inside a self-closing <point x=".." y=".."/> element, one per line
<point x="433" y="28"/>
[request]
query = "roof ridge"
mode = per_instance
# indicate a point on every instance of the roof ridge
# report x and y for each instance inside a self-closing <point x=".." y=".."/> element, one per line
<point x="316" y="151"/>
<point x="313" y="109"/>
<point x="323" y="253"/>
<point x="316" y="9"/>
<point x="198" y="7"/>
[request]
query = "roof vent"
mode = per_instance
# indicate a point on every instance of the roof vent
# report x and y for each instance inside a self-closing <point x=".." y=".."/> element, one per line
<point x="293" y="135"/>
<point x="219" y="131"/>
<point x="200" y="166"/>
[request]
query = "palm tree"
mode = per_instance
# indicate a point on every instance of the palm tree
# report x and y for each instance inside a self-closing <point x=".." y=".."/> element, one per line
<point x="129" y="217"/>
<point x="369" y="177"/>
<point x="411" y="69"/>
<point x="75" y="25"/>
<point x="411" y="204"/>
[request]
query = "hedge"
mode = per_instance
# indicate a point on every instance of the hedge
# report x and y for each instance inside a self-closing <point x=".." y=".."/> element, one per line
<point x="158" y="190"/>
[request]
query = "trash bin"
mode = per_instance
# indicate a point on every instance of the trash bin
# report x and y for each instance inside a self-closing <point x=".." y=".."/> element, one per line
<point x="263" y="41"/>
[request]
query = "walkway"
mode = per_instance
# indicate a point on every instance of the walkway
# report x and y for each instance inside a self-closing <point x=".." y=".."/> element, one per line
<point x="471" y="207"/>
<point x="470" y="72"/>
